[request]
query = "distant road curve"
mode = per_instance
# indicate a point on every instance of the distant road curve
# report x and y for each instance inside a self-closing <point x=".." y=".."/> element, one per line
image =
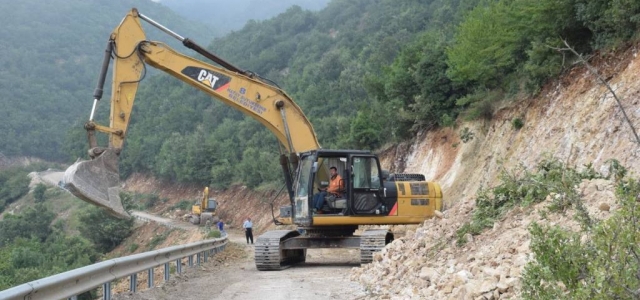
<point x="163" y="221"/>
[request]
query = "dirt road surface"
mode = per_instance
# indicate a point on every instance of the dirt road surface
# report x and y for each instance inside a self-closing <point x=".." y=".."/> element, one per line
<point x="163" y="221"/>
<point x="324" y="276"/>
<point x="51" y="177"/>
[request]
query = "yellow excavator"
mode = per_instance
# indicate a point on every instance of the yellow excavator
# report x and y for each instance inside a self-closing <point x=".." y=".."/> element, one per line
<point x="369" y="196"/>
<point x="204" y="211"/>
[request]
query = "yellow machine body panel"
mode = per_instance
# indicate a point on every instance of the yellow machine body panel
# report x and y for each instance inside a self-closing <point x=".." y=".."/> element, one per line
<point x="196" y="209"/>
<point x="418" y="199"/>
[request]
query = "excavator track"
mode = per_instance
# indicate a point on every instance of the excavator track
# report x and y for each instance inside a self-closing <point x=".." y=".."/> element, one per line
<point x="372" y="241"/>
<point x="268" y="253"/>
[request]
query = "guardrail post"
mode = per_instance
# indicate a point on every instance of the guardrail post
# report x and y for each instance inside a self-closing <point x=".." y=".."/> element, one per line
<point x="190" y="260"/>
<point x="198" y="259"/>
<point x="167" y="270"/>
<point x="179" y="265"/>
<point x="133" y="283"/>
<point x="150" y="278"/>
<point x="106" y="291"/>
<point x="206" y="256"/>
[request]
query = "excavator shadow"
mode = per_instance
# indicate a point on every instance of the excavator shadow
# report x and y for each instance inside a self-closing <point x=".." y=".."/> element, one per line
<point x="326" y="264"/>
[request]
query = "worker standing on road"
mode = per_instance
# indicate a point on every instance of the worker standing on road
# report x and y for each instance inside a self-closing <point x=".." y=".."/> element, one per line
<point x="221" y="226"/>
<point x="248" y="230"/>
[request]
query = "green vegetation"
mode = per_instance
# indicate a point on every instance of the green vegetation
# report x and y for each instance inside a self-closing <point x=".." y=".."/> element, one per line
<point x="466" y="135"/>
<point x="104" y="231"/>
<point x="158" y="239"/>
<point x="600" y="262"/>
<point x="183" y="205"/>
<point x="32" y="248"/>
<point x="50" y="62"/>
<point x="366" y="73"/>
<point x="14" y="183"/>
<point x="133" y="247"/>
<point x="523" y="188"/>
<point x="38" y="192"/>
<point x="213" y="234"/>
<point x="136" y="201"/>
<point x="517" y="123"/>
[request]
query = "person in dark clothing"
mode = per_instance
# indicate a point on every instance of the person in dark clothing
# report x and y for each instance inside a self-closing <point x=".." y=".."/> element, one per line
<point x="248" y="230"/>
<point x="221" y="226"/>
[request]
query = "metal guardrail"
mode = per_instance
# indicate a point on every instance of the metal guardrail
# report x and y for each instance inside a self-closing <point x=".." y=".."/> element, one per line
<point x="74" y="282"/>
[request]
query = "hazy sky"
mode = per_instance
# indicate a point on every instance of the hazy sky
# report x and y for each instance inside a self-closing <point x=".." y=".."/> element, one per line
<point x="225" y="15"/>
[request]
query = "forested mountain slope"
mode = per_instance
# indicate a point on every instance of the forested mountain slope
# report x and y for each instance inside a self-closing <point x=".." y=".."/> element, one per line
<point x="367" y="73"/>
<point x="324" y="60"/>
<point x="49" y="62"/>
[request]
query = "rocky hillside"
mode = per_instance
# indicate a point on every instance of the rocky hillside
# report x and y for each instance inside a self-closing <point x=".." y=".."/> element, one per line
<point x="234" y="204"/>
<point x="573" y="119"/>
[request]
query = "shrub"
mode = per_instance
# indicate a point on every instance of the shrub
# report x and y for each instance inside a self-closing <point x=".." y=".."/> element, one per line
<point x="133" y="247"/>
<point x="38" y="192"/>
<point x="150" y="200"/>
<point x="213" y="234"/>
<point x="602" y="266"/>
<point x="524" y="188"/>
<point x="158" y="239"/>
<point x="517" y="123"/>
<point x="104" y="231"/>
<point x="14" y="183"/>
<point x="466" y="135"/>
<point x="183" y="205"/>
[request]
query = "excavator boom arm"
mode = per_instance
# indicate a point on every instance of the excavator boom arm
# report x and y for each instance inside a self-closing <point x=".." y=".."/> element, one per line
<point x="267" y="104"/>
<point x="97" y="181"/>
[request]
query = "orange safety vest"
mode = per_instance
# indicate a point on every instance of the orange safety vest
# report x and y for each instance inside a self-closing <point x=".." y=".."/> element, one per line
<point x="336" y="185"/>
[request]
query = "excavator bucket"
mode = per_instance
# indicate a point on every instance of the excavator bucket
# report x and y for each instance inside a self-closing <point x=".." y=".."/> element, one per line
<point x="98" y="182"/>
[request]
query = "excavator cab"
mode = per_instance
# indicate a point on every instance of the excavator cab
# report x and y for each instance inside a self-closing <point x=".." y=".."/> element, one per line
<point x="363" y="192"/>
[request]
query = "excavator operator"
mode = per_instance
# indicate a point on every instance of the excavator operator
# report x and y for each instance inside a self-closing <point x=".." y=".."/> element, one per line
<point x="336" y="186"/>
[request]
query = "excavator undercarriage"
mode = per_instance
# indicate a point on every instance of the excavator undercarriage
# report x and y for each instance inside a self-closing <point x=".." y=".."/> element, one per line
<point x="280" y="249"/>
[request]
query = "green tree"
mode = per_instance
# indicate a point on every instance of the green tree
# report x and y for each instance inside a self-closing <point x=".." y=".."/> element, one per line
<point x="14" y="183"/>
<point x="104" y="231"/>
<point x="33" y="222"/>
<point x="38" y="192"/>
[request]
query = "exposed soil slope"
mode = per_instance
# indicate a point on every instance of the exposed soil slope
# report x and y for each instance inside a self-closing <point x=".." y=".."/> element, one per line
<point x="574" y="119"/>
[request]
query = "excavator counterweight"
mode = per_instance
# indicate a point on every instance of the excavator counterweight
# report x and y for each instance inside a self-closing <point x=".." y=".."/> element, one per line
<point x="97" y="181"/>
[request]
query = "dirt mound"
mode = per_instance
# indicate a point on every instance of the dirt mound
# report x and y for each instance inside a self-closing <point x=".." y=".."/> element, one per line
<point x="427" y="264"/>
